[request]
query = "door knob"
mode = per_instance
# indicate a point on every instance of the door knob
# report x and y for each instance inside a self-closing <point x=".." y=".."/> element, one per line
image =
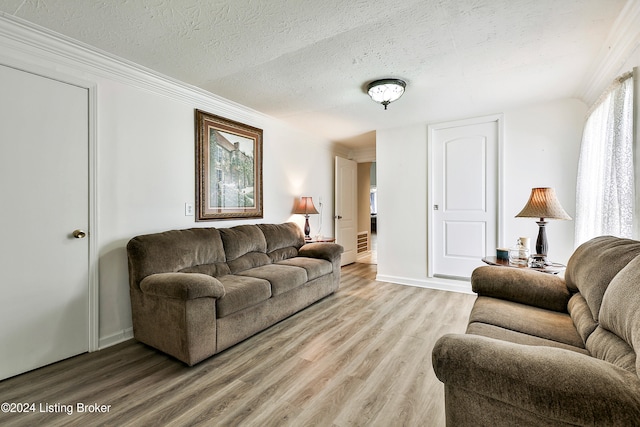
<point x="79" y="234"/>
<point x="338" y="217"/>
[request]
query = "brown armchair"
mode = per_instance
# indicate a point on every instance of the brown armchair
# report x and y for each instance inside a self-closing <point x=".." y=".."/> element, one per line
<point x="542" y="350"/>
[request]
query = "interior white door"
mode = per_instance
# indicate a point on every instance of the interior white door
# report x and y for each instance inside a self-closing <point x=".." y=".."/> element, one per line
<point x="346" y="208"/>
<point x="44" y="309"/>
<point x="464" y="197"/>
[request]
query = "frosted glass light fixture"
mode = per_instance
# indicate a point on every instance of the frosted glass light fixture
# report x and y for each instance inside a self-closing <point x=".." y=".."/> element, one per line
<point x="386" y="91"/>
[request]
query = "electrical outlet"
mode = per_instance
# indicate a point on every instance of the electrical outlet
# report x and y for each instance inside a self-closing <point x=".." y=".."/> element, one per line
<point x="188" y="209"/>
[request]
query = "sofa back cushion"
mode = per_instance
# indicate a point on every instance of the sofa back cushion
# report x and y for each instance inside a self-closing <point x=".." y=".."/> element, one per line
<point x="283" y="240"/>
<point x="245" y="247"/>
<point x="620" y="313"/>
<point x="594" y="264"/>
<point x="177" y="250"/>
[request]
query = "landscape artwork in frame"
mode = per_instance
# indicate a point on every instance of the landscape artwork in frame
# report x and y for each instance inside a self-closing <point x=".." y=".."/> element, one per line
<point x="228" y="169"/>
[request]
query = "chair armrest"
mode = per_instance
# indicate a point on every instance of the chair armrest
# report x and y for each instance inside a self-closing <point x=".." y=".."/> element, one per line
<point x="328" y="251"/>
<point x="523" y="286"/>
<point x="555" y="384"/>
<point x="184" y="286"/>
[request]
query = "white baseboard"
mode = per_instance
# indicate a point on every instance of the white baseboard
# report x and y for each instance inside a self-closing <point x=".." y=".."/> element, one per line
<point x="461" y="286"/>
<point x="114" y="339"/>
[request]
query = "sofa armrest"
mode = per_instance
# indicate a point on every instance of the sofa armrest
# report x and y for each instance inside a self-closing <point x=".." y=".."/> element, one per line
<point x="521" y="285"/>
<point x="184" y="286"/>
<point x="554" y="384"/>
<point x="328" y="251"/>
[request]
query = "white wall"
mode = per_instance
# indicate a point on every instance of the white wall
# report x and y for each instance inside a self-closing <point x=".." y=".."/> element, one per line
<point x="145" y="157"/>
<point x="147" y="173"/>
<point x="401" y="166"/>
<point x="541" y="148"/>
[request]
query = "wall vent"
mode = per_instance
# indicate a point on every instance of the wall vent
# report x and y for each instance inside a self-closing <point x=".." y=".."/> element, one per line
<point x="362" y="242"/>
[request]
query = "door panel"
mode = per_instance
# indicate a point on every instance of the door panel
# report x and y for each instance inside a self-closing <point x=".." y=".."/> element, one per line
<point x="465" y="171"/>
<point x="464" y="189"/>
<point x="346" y="217"/>
<point x="44" y="186"/>
<point x="464" y="239"/>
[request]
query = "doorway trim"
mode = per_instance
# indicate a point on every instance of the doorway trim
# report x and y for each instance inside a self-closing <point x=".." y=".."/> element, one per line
<point x="92" y="140"/>
<point x="499" y="119"/>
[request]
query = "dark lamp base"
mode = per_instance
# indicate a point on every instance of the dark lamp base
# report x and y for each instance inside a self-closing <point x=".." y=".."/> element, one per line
<point x="307" y="228"/>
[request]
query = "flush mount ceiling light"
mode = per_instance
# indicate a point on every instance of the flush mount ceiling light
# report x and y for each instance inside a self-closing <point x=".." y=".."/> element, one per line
<point x="386" y="91"/>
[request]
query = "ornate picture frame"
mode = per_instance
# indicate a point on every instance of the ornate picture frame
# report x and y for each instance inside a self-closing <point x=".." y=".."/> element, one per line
<point x="228" y="169"/>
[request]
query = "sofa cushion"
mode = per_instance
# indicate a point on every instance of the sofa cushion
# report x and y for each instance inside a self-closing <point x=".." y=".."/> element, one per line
<point x="173" y="251"/>
<point x="214" y="269"/>
<point x="594" y="264"/>
<point x="247" y="261"/>
<point x="607" y="346"/>
<point x="283" y="278"/>
<point x="620" y="312"/>
<point x="581" y="316"/>
<point x="245" y="247"/>
<point x="521" y="285"/>
<point x="499" y="333"/>
<point x="315" y="267"/>
<point x="539" y="322"/>
<point x="241" y="292"/>
<point x="283" y="240"/>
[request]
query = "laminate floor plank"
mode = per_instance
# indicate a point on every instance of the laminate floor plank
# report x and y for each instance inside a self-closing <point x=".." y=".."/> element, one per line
<point x="360" y="357"/>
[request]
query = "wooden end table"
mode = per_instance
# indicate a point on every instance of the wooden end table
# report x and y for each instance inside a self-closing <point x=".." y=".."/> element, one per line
<point x="323" y="240"/>
<point x="554" y="268"/>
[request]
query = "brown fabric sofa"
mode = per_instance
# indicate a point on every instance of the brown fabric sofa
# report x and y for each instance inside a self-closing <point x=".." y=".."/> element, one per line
<point x="197" y="292"/>
<point x="541" y="350"/>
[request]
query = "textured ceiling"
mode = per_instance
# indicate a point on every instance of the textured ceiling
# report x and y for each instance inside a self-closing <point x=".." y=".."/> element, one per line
<point x="307" y="61"/>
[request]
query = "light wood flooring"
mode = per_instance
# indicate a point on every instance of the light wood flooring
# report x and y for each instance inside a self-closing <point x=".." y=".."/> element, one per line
<point x="361" y="357"/>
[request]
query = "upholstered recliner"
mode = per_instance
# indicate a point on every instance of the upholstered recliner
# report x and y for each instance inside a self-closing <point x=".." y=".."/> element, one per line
<point x="543" y="350"/>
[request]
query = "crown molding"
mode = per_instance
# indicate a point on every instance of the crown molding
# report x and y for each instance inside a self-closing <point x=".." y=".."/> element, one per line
<point x="27" y="38"/>
<point x="622" y="41"/>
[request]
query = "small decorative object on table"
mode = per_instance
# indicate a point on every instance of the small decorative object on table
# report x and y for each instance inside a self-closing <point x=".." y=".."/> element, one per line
<point x="502" y="254"/>
<point x="538" y="261"/>
<point x="519" y="254"/>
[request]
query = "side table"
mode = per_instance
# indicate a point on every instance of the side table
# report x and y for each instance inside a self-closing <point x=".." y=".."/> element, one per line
<point x="322" y="240"/>
<point x="554" y="268"/>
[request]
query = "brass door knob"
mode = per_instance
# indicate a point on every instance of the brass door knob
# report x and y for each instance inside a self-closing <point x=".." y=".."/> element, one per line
<point x="79" y="234"/>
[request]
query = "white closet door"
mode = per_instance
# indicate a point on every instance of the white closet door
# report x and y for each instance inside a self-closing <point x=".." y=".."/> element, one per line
<point x="45" y="197"/>
<point x="465" y="188"/>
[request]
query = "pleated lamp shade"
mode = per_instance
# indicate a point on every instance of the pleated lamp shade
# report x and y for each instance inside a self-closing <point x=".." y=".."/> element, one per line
<point x="543" y="203"/>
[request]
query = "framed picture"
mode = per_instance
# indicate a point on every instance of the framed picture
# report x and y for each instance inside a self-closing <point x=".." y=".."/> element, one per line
<point x="228" y="169"/>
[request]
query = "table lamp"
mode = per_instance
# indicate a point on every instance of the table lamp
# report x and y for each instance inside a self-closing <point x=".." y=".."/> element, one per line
<point x="305" y="207"/>
<point x="542" y="204"/>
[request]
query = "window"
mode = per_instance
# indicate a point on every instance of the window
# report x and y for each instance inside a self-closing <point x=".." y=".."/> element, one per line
<point x="605" y="187"/>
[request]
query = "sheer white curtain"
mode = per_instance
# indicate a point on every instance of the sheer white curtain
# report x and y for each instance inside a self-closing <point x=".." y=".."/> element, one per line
<point x="605" y="187"/>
